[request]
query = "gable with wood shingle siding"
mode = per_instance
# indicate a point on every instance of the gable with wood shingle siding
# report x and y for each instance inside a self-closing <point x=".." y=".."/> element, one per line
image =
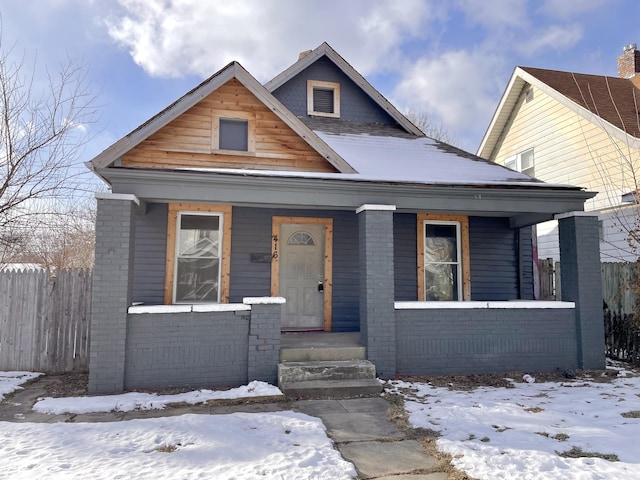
<point x="187" y="140"/>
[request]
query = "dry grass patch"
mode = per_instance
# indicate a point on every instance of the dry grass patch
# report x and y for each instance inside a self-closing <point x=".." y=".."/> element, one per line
<point x="533" y="409"/>
<point x="426" y="437"/>
<point x="631" y="414"/>
<point x="166" y="449"/>
<point x="577" y="452"/>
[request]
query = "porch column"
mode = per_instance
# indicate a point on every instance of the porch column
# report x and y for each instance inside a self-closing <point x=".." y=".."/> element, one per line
<point x="581" y="282"/>
<point x="111" y="294"/>
<point x="377" y="295"/>
<point x="264" y="338"/>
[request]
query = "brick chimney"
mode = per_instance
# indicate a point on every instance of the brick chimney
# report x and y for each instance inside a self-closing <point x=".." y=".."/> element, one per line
<point x="629" y="61"/>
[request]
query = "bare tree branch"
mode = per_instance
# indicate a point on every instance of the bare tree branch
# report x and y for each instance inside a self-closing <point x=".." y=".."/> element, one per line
<point x="437" y="132"/>
<point x="43" y="129"/>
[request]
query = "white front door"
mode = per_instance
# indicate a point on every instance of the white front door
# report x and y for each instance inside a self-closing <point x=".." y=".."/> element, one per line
<point x="301" y="274"/>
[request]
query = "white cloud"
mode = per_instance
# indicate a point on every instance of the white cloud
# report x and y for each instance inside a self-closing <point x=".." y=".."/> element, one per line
<point x="458" y="87"/>
<point x="554" y="37"/>
<point x="493" y="14"/>
<point x="194" y="37"/>
<point x="567" y="9"/>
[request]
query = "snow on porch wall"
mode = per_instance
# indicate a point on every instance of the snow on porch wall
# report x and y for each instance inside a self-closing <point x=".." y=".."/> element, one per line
<point x="449" y="341"/>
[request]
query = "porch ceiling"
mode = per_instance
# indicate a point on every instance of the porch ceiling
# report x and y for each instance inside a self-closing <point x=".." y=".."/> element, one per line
<point x="525" y="205"/>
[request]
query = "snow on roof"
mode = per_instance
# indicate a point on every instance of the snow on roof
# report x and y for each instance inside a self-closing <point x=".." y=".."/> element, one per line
<point x="416" y="160"/>
<point x="419" y="159"/>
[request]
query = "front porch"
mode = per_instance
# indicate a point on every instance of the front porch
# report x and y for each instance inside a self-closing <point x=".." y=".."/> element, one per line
<point x="374" y="279"/>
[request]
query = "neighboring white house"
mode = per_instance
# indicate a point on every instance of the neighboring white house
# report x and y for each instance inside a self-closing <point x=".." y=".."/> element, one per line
<point x="578" y="129"/>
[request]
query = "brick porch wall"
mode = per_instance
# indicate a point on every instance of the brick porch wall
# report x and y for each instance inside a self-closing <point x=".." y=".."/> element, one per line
<point x="464" y="341"/>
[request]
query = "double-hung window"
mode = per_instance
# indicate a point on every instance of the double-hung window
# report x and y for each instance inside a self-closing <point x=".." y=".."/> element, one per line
<point x="442" y="266"/>
<point x="443" y="258"/>
<point x="198" y="251"/>
<point x="522" y="162"/>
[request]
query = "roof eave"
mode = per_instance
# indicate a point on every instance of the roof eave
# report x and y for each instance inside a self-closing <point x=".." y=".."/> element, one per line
<point x="501" y="115"/>
<point x="325" y="50"/>
<point x="187" y="101"/>
<point x="521" y="77"/>
<point x="241" y="188"/>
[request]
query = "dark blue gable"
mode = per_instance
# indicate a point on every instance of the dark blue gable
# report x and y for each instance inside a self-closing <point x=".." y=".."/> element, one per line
<point x="355" y="104"/>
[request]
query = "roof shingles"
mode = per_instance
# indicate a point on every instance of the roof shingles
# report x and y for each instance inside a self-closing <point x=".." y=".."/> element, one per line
<point x="615" y="100"/>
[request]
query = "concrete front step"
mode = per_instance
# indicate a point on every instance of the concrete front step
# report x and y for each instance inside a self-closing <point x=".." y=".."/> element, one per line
<point x="291" y="372"/>
<point x="332" y="388"/>
<point x="322" y="354"/>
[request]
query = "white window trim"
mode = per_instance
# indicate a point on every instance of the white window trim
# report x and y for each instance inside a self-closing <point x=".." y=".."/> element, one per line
<point x="233" y="115"/>
<point x="458" y="263"/>
<point x="517" y="161"/>
<point x="311" y="84"/>
<point x="179" y="214"/>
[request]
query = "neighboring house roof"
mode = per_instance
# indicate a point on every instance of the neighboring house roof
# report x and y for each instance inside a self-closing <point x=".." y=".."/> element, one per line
<point x="612" y="102"/>
<point x="325" y="50"/>
<point x="184" y="103"/>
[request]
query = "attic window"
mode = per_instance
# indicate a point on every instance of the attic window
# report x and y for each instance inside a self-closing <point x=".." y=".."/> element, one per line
<point x="233" y="132"/>
<point x="323" y="99"/>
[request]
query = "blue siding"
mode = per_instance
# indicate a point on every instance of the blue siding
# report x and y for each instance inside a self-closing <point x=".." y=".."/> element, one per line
<point x="252" y="234"/>
<point x="355" y="105"/>
<point x="495" y="265"/>
<point x="525" y="245"/>
<point x="493" y="254"/>
<point x="405" y="256"/>
<point x="150" y="255"/>
<point x="493" y="248"/>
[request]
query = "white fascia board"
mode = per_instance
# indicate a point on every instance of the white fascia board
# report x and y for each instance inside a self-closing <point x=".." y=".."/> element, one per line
<point x="501" y="114"/>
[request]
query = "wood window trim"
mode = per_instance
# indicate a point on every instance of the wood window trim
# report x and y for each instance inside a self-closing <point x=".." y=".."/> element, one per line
<point x="464" y="239"/>
<point x="311" y="84"/>
<point x="225" y="261"/>
<point x="276" y="223"/>
<point x="250" y="117"/>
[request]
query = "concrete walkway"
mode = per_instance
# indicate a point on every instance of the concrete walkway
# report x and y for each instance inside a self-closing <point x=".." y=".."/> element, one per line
<point x="358" y="427"/>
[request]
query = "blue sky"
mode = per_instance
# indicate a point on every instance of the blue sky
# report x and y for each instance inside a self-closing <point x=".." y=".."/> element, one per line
<point x="450" y="60"/>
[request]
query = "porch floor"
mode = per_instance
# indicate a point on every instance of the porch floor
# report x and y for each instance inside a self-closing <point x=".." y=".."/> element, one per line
<point x="290" y="340"/>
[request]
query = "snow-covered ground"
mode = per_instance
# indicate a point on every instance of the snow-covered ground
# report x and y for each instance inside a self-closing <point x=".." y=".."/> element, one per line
<point x="149" y="401"/>
<point x="282" y="445"/>
<point x="10" y="381"/>
<point x="491" y="432"/>
<point x="519" y="433"/>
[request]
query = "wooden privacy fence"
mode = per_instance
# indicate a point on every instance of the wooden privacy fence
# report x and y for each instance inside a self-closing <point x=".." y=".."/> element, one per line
<point x="622" y="336"/>
<point x="620" y="290"/>
<point x="45" y="320"/>
<point x="618" y="280"/>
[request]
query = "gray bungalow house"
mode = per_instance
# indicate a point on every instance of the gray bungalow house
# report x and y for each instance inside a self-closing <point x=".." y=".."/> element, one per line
<point x="244" y="212"/>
